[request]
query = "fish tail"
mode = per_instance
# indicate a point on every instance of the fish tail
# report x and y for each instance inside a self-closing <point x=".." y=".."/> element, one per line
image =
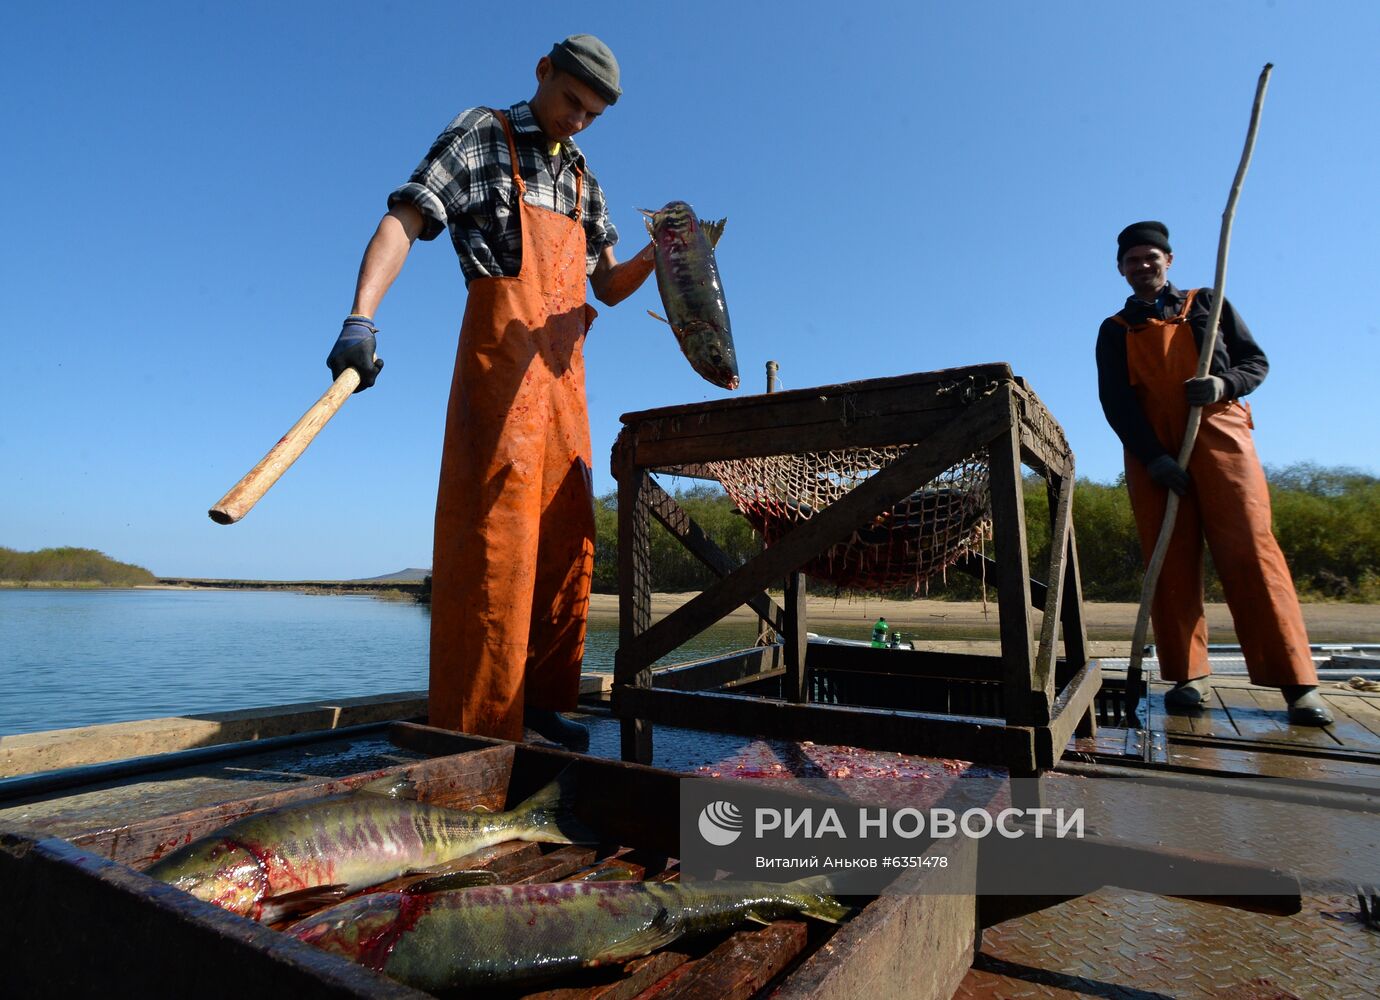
<point x="815" y="898"/>
<point x="548" y="816"/>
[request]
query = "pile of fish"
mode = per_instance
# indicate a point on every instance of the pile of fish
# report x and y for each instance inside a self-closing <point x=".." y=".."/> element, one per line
<point x="284" y="862"/>
<point x="687" y="276"/>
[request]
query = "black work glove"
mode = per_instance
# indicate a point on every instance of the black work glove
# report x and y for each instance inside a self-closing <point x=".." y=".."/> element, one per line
<point x="1206" y="390"/>
<point x="1168" y="473"/>
<point x="354" y="348"/>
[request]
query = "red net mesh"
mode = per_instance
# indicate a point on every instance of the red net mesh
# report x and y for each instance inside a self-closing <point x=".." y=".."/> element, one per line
<point x="901" y="547"/>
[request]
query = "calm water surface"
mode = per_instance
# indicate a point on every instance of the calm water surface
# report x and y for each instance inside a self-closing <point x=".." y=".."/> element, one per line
<point x="81" y="657"/>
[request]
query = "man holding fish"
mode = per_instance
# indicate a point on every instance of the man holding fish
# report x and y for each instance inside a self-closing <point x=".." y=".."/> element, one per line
<point x="514" y="542"/>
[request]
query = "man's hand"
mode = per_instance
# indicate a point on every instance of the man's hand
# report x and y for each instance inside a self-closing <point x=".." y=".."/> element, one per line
<point x="1205" y="391"/>
<point x="613" y="282"/>
<point x="1168" y="473"/>
<point x="354" y="348"/>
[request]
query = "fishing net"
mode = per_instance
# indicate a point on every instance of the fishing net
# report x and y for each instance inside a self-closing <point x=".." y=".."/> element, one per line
<point x="902" y="547"/>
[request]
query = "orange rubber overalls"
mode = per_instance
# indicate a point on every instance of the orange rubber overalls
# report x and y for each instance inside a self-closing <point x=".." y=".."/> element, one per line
<point x="1227" y="502"/>
<point x="514" y="546"/>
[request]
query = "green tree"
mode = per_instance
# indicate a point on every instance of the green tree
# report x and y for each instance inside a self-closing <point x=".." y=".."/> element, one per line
<point x="1327" y="521"/>
<point x="69" y="565"/>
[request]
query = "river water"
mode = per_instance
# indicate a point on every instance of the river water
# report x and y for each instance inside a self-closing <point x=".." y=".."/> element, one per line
<point x="82" y="657"/>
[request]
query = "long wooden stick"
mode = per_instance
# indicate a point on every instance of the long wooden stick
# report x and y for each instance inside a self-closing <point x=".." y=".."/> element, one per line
<point x="247" y="492"/>
<point x="1195" y="413"/>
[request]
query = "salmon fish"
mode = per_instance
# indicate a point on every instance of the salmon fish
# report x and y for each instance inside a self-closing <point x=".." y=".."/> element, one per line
<point x="282" y="861"/>
<point x="688" y="278"/>
<point x="513" y="935"/>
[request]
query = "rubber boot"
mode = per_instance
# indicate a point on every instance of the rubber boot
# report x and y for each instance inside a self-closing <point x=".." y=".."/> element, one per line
<point x="1306" y="706"/>
<point x="557" y="728"/>
<point x="1196" y="693"/>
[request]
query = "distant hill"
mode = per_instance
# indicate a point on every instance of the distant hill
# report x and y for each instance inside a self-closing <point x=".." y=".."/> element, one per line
<point x="409" y="575"/>
<point x="69" y="566"/>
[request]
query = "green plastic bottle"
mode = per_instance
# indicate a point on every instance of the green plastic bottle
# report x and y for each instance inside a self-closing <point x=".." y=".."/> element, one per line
<point x="879" y="632"/>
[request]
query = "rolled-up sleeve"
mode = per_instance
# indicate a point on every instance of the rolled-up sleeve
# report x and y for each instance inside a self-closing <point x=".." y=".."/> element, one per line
<point x="439" y="186"/>
<point x="599" y="228"/>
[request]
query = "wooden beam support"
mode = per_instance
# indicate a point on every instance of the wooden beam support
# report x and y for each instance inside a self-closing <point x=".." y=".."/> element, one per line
<point x="1061" y="527"/>
<point x="984" y="570"/>
<point x="874" y="413"/>
<point x="634" y="591"/>
<point x="707" y="675"/>
<point x="795" y="639"/>
<point x="684" y="529"/>
<point x="982" y="741"/>
<point x="1074" y="702"/>
<point x="905" y="662"/>
<point x="882" y="491"/>
<point x="1013" y="570"/>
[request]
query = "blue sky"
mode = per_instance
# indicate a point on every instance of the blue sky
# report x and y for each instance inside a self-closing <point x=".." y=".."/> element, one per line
<point x="908" y="186"/>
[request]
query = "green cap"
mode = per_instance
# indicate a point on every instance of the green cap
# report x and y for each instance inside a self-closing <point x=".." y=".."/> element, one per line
<point x="589" y="59"/>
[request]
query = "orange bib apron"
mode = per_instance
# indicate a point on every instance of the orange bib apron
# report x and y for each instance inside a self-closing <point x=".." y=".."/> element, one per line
<point x="514" y="547"/>
<point x="1227" y="503"/>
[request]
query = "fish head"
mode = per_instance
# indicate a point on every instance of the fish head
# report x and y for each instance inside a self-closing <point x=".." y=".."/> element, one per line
<point x="363" y="929"/>
<point x="219" y="871"/>
<point x="673" y="217"/>
<point x="710" y="352"/>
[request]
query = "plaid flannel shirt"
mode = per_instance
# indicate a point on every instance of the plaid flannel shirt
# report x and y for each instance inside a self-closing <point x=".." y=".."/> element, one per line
<point x="465" y="184"/>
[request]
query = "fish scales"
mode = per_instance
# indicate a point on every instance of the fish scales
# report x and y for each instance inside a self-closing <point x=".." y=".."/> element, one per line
<point x="687" y="276"/>
<point x="512" y="935"/>
<point x="347" y="843"/>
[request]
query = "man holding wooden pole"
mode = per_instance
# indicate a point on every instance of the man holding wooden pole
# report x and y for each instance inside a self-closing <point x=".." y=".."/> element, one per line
<point x="1147" y="358"/>
<point x="514" y="544"/>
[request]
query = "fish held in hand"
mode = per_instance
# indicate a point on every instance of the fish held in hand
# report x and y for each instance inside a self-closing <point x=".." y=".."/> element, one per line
<point x="510" y="935"/>
<point x="687" y="276"/>
<point x="283" y="861"/>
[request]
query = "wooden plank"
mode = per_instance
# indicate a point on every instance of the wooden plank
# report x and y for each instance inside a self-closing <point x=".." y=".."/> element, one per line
<point x="683" y="528"/>
<point x="1075" y="627"/>
<point x="1073" y="704"/>
<point x="1013" y="574"/>
<point x="1271" y="700"/>
<point x="632" y="979"/>
<point x="77" y="925"/>
<point x="634" y="593"/>
<point x="610" y="869"/>
<point x="795" y="639"/>
<point x="1061" y="524"/>
<point x="551" y="867"/>
<point x="932" y="916"/>
<point x="1360" y="710"/>
<point x="1347" y="731"/>
<point x="979" y="740"/>
<point x="1250" y="718"/>
<point x="705" y="675"/>
<point x="739" y="967"/>
<point x="834" y="434"/>
<point x="905" y="662"/>
<point x="878" y="391"/>
<point x="1037" y="454"/>
<point x="883" y="490"/>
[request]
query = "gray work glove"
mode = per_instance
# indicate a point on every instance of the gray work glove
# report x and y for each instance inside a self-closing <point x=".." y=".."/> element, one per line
<point x="1168" y="473"/>
<point x="354" y="348"/>
<point x="1206" y="390"/>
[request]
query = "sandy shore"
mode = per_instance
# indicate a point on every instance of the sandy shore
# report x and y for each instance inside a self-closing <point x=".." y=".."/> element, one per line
<point x="1327" y="622"/>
